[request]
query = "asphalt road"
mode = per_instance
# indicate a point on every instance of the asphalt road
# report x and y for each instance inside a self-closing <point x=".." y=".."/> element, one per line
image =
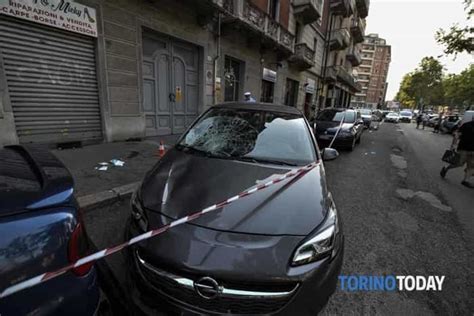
<point x="399" y="218"/>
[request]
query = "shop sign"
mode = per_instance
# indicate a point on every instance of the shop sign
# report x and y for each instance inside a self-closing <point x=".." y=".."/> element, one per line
<point x="310" y="86"/>
<point x="66" y="15"/>
<point x="269" y="75"/>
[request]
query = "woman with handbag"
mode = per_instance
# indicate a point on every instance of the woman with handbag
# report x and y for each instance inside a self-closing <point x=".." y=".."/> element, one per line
<point x="464" y="137"/>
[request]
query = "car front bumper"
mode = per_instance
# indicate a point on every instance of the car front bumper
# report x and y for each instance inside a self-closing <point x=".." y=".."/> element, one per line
<point x="315" y="283"/>
<point x="342" y="141"/>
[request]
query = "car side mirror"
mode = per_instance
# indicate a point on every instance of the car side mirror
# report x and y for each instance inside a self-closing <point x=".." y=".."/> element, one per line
<point x="329" y="154"/>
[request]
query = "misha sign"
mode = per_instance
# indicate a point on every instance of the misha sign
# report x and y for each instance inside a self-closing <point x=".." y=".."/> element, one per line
<point x="66" y="15"/>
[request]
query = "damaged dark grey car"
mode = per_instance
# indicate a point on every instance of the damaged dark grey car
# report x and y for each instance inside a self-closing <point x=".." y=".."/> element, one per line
<point x="276" y="252"/>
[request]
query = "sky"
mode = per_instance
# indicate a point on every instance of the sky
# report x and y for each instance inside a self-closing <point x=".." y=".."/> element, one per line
<point x="409" y="26"/>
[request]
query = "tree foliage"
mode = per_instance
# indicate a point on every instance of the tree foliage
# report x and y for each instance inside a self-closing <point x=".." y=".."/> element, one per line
<point x="429" y="83"/>
<point x="423" y="85"/>
<point x="458" y="39"/>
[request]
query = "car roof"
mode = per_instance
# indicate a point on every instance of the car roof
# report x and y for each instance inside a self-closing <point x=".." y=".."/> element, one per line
<point x="259" y="107"/>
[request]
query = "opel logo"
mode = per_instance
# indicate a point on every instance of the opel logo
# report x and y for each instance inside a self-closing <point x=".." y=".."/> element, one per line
<point x="207" y="288"/>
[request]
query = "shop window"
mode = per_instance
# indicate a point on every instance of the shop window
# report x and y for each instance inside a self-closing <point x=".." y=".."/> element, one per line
<point x="232" y="78"/>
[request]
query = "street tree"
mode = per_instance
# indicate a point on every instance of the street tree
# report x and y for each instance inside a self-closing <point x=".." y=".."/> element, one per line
<point x="459" y="89"/>
<point x="424" y="83"/>
<point x="458" y="39"/>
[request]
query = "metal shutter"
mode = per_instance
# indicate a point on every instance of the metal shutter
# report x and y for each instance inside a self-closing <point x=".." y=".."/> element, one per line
<point x="52" y="82"/>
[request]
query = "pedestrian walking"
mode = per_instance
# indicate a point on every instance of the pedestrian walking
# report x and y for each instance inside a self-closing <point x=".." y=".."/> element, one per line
<point x="437" y="126"/>
<point x="464" y="137"/>
<point x="425" y="119"/>
<point x="248" y="97"/>
<point x="419" y="118"/>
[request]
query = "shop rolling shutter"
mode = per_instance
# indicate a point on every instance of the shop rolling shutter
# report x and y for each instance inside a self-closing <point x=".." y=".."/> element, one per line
<point x="52" y="82"/>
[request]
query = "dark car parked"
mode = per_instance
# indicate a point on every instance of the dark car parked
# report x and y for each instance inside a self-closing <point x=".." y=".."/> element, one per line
<point x="450" y="123"/>
<point x="328" y="122"/>
<point x="276" y="252"/>
<point x="40" y="231"/>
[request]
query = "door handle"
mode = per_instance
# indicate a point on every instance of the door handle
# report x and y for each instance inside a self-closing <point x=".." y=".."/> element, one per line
<point x="172" y="97"/>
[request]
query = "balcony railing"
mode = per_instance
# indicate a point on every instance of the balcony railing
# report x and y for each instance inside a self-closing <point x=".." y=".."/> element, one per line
<point x="342" y="7"/>
<point x="253" y="19"/>
<point x="363" y="8"/>
<point x="308" y="11"/>
<point x="303" y="57"/>
<point x="358" y="29"/>
<point x="340" y="39"/>
<point x="354" y="57"/>
<point x="339" y="73"/>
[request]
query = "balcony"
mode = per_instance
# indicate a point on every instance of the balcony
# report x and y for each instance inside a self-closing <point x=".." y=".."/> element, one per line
<point x="354" y="57"/>
<point x="308" y="11"/>
<point x="339" y="73"/>
<point x="303" y="57"/>
<point x="358" y="29"/>
<point x="244" y="15"/>
<point x="342" y="7"/>
<point x="363" y="7"/>
<point x="340" y="39"/>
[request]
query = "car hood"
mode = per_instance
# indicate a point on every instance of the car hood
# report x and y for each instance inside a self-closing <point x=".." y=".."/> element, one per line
<point x="182" y="183"/>
<point x="366" y="116"/>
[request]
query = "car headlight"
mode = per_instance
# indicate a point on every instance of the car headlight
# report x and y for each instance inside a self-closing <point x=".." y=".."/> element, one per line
<point x="345" y="132"/>
<point x="138" y="213"/>
<point x="324" y="243"/>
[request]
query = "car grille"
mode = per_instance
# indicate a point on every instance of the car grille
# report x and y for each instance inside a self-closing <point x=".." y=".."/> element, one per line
<point x="219" y="304"/>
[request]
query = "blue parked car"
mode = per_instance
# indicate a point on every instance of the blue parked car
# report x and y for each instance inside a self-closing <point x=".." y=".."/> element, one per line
<point x="41" y="230"/>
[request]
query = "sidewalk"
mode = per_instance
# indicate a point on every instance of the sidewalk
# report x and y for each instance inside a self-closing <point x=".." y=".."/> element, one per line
<point x="93" y="186"/>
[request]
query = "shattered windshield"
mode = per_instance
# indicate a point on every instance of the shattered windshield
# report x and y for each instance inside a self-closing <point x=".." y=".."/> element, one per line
<point x="248" y="134"/>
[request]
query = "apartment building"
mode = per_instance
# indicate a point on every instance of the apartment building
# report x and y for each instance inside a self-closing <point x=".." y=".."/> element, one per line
<point x="103" y="71"/>
<point x="345" y="31"/>
<point x="373" y="72"/>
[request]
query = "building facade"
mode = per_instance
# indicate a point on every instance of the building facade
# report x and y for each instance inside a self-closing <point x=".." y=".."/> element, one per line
<point x="100" y="70"/>
<point x="373" y="72"/>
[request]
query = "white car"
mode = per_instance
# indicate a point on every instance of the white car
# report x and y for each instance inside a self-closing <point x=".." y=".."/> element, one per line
<point x="406" y="116"/>
<point x="392" y="117"/>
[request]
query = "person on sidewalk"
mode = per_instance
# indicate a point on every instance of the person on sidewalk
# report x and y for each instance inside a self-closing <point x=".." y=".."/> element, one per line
<point x="419" y="118"/>
<point x="248" y="97"/>
<point x="464" y="136"/>
<point x="425" y="119"/>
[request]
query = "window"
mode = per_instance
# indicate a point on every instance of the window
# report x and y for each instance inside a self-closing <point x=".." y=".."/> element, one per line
<point x="315" y="46"/>
<point x="232" y="76"/>
<point x="250" y="135"/>
<point x="267" y="91"/>
<point x="274" y="9"/>
<point x="291" y="95"/>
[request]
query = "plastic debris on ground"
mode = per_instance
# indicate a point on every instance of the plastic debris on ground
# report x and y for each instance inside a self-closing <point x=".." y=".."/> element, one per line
<point x="117" y="162"/>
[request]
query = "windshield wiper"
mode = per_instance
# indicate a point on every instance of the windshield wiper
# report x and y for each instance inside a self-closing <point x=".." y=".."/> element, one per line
<point x="265" y="161"/>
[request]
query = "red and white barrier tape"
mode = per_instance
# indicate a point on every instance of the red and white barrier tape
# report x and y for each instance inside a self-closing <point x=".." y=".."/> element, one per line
<point x="108" y="251"/>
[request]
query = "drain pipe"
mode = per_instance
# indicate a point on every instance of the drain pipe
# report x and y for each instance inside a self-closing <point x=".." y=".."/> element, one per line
<point x="216" y="58"/>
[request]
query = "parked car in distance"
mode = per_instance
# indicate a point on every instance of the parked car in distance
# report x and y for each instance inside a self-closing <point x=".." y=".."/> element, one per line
<point x="392" y="117"/>
<point x="366" y="116"/>
<point x="433" y="120"/>
<point x="40" y="231"/>
<point x="406" y="116"/>
<point x="278" y="250"/>
<point x="450" y="123"/>
<point x="328" y="122"/>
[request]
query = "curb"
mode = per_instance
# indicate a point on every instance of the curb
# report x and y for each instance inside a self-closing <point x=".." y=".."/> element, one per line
<point x="88" y="202"/>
